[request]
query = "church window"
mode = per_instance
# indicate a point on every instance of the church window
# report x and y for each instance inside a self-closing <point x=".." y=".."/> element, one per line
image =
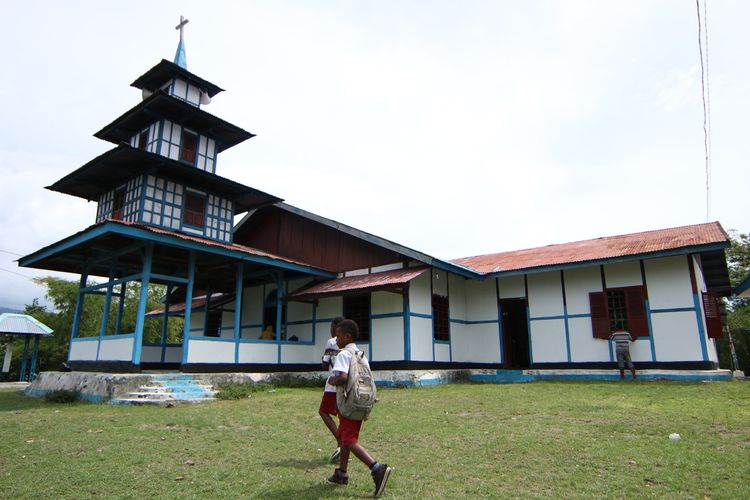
<point x="118" y="204"/>
<point x="712" y="308"/>
<point x="440" y="318"/>
<point x="623" y="307"/>
<point x="357" y="308"/>
<point x="189" y="146"/>
<point x="195" y="209"/>
<point x="143" y="140"/>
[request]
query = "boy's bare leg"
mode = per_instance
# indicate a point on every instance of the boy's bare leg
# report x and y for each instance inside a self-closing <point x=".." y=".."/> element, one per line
<point x="359" y="452"/>
<point x="328" y="420"/>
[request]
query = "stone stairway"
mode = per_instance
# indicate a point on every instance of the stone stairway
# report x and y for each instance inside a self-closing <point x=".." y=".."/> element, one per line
<point x="168" y="389"/>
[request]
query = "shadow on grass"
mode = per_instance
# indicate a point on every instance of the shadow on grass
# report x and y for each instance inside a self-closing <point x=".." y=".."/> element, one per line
<point x="318" y="490"/>
<point x="17" y="400"/>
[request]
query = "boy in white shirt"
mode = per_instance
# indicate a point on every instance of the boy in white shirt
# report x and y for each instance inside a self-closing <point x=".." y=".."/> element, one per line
<point x="327" y="408"/>
<point x="347" y="333"/>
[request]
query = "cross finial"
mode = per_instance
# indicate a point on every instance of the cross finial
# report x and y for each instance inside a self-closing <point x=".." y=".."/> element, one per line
<point x="180" y="26"/>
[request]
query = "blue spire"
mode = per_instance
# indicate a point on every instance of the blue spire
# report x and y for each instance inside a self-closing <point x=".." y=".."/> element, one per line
<point x="180" y="59"/>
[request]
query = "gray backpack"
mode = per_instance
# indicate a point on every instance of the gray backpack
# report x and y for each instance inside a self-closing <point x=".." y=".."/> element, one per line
<point x="356" y="399"/>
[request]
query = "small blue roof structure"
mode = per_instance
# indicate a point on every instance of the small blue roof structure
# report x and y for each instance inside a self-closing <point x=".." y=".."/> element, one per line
<point x="22" y="324"/>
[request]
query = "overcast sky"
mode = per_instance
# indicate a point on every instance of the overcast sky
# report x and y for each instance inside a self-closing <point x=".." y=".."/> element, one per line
<point x="454" y="128"/>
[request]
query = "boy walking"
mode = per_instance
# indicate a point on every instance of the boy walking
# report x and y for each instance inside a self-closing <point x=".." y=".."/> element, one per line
<point x="622" y="340"/>
<point x="327" y="408"/>
<point x="347" y="334"/>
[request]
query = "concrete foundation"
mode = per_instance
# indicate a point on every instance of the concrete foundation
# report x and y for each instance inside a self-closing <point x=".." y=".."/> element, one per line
<point x="105" y="387"/>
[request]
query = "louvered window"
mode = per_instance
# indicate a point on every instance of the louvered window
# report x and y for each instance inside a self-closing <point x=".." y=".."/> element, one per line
<point x="619" y="306"/>
<point x="712" y="310"/>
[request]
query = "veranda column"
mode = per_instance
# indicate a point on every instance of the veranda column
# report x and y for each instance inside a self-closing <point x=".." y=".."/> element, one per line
<point x="34" y="352"/>
<point x="238" y="312"/>
<point x="188" y="307"/>
<point x="22" y="375"/>
<point x="141" y="314"/>
<point x="165" y="323"/>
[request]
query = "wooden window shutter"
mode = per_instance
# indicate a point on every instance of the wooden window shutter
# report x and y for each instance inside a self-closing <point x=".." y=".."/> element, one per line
<point x="599" y="315"/>
<point x="637" y="320"/>
<point x="713" y="314"/>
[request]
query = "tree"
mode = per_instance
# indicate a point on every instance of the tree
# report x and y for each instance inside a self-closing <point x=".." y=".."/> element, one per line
<point x="738" y="310"/>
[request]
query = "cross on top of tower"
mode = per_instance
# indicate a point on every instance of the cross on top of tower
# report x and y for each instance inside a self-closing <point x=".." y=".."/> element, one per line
<point x="180" y="58"/>
<point x="180" y="26"/>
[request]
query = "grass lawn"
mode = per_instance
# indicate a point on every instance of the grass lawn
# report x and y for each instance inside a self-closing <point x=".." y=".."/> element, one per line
<point x="542" y="439"/>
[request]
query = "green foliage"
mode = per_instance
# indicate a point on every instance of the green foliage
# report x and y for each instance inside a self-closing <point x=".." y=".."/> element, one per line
<point x="738" y="310"/>
<point x="62" y="396"/>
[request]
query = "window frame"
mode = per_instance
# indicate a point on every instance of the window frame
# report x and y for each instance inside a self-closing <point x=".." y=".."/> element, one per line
<point x="118" y="204"/>
<point x="602" y="320"/>
<point x="189" y="213"/>
<point x="358" y="307"/>
<point x="441" y="329"/>
<point x="188" y="155"/>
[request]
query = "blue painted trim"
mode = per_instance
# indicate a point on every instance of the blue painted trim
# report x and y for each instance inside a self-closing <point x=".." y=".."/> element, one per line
<point x="172" y="279"/>
<point x="174" y="241"/>
<point x="546" y="318"/>
<point x="105" y="339"/>
<point x="567" y="332"/>
<point x="476" y="322"/>
<point x="443" y="342"/>
<point x="120" y="308"/>
<point x="407" y="327"/>
<point x="420" y="315"/>
<point x="279" y="294"/>
<point x="674" y="309"/>
<point x="188" y="306"/>
<point x="501" y="334"/>
<point x="239" y="287"/>
<point x="141" y="313"/>
<point x="701" y="330"/>
<point x="386" y="315"/>
<point x="251" y="341"/>
<point x="650" y="330"/>
<point x="22" y="374"/>
<point x="528" y="318"/>
<point x="34" y="353"/>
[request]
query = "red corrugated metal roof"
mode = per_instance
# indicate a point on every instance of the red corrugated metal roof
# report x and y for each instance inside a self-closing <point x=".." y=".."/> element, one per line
<point x="607" y="247"/>
<point x="364" y="282"/>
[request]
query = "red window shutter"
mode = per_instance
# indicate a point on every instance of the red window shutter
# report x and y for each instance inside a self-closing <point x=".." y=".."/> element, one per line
<point x="713" y="314"/>
<point x="637" y="320"/>
<point x="599" y="315"/>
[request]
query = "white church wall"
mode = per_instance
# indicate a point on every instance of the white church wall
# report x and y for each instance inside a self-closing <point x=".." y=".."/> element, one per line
<point x="548" y="341"/>
<point x="475" y="343"/>
<point x="442" y="353"/>
<point x="420" y="297"/>
<point x="84" y="350"/>
<point x="481" y="300"/>
<point x="579" y="283"/>
<point x="420" y="334"/>
<point x="291" y="353"/>
<point x="330" y="307"/>
<point x="387" y="339"/>
<point x="258" y="352"/>
<point x="210" y="351"/>
<point x="668" y="281"/>
<point x="252" y="311"/>
<point x="676" y="336"/>
<point x="151" y="354"/>
<point x="456" y="298"/>
<point x="512" y="287"/>
<point x="386" y="303"/>
<point x="623" y="274"/>
<point x="545" y="294"/>
<point x="584" y="348"/>
<point x="116" y="349"/>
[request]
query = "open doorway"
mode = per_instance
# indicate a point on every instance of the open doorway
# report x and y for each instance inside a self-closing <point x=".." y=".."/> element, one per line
<point x="515" y="334"/>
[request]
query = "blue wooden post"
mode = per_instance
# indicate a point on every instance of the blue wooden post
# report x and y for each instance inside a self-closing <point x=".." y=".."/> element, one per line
<point x="141" y="314"/>
<point x="188" y="307"/>
<point x="34" y="352"/>
<point x="78" y="312"/>
<point x="165" y="323"/>
<point x="22" y="376"/>
<point x="279" y="291"/>
<point x="238" y="313"/>
<point x="407" y="325"/>
<point x="105" y="313"/>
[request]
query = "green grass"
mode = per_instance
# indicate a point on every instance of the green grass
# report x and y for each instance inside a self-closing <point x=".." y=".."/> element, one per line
<point x="544" y="439"/>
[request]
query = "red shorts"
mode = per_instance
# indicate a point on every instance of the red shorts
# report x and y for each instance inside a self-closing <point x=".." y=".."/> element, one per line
<point x="328" y="403"/>
<point x="348" y="432"/>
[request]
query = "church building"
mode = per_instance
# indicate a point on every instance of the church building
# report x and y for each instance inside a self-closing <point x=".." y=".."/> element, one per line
<point x="259" y="295"/>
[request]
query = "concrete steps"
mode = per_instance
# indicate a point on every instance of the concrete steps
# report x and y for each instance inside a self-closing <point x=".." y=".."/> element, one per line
<point x="168" y="389"/>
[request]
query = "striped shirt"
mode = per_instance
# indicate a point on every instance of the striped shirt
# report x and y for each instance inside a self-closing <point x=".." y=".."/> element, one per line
<point x="622" y="340"/>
